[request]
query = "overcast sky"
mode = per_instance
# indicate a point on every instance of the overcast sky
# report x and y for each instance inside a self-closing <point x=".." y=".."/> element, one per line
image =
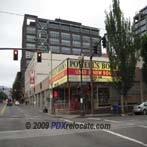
<point x="88" y="12"/>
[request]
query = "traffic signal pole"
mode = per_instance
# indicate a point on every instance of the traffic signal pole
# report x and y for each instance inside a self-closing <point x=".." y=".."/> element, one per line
<point x="91" y="73"/>
<point x="91" y="84"/>
<point x="15" y="52"/>
<point x="26" y="49"/>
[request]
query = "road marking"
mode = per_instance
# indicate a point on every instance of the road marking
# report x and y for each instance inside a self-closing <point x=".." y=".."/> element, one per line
<point x="114" y="121"/>
<point x="105" y="120"/>
<point x="142" y="126"/>
<point x="116" y="134"/>
<point x="70" y="121"/>
<point x="33" y="133"/>
<point x="26" y="115"/>
<point x="79" y="123"/>
<point x="67" y="120"/>
<point x="3" y="110"/>
<point x="94" y="118"/>
<point x="125" y="137"/>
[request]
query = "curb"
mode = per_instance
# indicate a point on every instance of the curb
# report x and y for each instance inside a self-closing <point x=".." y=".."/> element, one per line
<point x="78" y="116"/>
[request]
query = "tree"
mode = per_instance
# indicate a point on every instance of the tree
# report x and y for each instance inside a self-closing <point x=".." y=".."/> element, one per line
<point x="122" y="48"/>
<point x="17" y="91"/>
<point x="144" y="56"/>
<point x="3" y="96"/>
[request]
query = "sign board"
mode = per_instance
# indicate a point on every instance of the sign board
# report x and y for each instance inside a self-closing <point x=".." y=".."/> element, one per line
<point x="100" y="71"/>
<point x="32" y="78"/>
<point x="58" y="75"/>
<point x="70" y="69"/>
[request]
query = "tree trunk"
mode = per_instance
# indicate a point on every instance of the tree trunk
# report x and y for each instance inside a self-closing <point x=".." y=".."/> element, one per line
<point x="126" y="104"/>
<point x="122" y="104"/>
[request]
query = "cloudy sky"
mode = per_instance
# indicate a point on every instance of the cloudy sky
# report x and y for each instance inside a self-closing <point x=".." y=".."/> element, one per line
<point x="88" y="12"/>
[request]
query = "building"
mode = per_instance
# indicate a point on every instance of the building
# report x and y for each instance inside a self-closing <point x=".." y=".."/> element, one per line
<point x="140" y="28"/>
<point x="140" y="21"/>
<point x="62" y="85"/>
<point x="59" y="36"/>
<point x="63" y="82"/>
<point x="57" y="81"/>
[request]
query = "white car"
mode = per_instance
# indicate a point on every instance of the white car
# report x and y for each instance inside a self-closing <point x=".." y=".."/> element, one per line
<point x="142" y="108"/>
<point x="17" y="103"/>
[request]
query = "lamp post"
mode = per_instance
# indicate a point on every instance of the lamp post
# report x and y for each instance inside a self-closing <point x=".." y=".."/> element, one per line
<point x="81" y="61"/>
<point x="52" y="106"/>
<point x="91" y="85"/>
<point x="95" y="50"/>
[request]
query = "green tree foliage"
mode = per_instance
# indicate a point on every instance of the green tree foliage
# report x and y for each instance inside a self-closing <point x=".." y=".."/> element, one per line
<point x="3" y="96"/>
<point x="122" y="47"/>
<point x="17" y="91"/>
<point x="144" y="56"/>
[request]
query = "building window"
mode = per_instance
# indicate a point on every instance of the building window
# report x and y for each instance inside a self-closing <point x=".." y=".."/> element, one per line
<point x="31" y="30"/>
<point x="30" y="45"/>
<point x="65" y="42"/>
<point x="30" y="38"/>
<point x="75" y="29"/>
<point x="53" y="25"/>
<point x="95" y="40"/>
<point x="64" y="27"/>
<point x="54" y="34"/>
<point x="66" y="50"/>
<point x="143" y="22"/>
<point x="76" y="44"/>
<point x="103" y="94"/>
<point x="54" y="41"/>
<point x="86" y="39"/>
<point x="65" y="36"/>
<point x="85" y="31"/>
<point x="76" y="37"/>
<point x="29" y="54"/>
<point x="94" y="32"/>
<point x="143" y="28"/>
<point x="76" y="51"/>
<point x="55" y="49"/>
<point x="86" y="51"/>
<point x="86" y="45"/>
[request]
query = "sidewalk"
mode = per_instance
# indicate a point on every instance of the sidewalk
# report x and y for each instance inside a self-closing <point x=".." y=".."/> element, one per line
<point x="72" y="116"/>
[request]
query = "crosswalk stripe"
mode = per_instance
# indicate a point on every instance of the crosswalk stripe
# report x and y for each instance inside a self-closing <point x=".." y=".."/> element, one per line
<point x="125" y="137"/>
<point x="3" y="110"/>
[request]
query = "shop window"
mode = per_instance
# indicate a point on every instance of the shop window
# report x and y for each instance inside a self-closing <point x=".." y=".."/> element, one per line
<point x="56" y="94"/>
<point x="103" y="95"/>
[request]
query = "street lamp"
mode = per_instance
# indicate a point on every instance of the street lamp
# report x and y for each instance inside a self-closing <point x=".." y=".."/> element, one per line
<point x="95" y="50"/>
<point x="81" y="61"/>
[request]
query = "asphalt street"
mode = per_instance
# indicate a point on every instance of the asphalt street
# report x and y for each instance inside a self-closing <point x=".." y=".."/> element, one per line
<point x="26" y="126"/>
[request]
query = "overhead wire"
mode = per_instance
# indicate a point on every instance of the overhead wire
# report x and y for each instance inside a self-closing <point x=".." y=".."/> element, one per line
<point x="11" y="13"/>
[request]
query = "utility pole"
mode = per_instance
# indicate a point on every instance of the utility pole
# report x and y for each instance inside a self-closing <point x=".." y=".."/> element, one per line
<point x="91" y="72"/>
<point x="52" y="108"/>
<point x="81" y="61"/>
<point x="91" y="83"/>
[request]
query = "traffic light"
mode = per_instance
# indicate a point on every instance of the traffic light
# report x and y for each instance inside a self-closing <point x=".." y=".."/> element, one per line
<point x="104" y="42"/>
<point x="15" y="54"/>
<point x="39" y="56"/>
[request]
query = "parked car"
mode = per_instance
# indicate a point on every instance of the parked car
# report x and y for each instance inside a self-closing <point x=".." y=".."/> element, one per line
<point x="17" y="103"/>
<point x="140" y="109"/>
<point x="9" y="102"/>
